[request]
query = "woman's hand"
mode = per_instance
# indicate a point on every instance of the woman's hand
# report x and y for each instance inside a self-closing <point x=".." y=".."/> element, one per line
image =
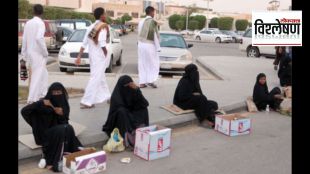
<point x="58" y="111"/>
<point x="48" y="103"/>
<point x="132" y="85"/>
<point x="278" y="96"/>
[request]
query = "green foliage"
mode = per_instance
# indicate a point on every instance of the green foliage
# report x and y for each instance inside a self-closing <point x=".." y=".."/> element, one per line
<point x="241" y="25"/>
<point x="214" y="22"/>
<point x="193" y="25"/>
<point x="225" y="23"/>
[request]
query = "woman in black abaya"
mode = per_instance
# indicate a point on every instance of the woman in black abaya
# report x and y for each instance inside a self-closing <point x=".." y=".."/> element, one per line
<point x="128" y="108"/>
<point x="188" y="95"/>
<point x="49" y="121"/>
<point x="262" y="97"/>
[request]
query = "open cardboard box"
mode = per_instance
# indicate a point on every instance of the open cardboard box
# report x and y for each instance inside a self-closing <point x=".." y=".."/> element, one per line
<point x="233" y="124"/>
<point x="87" y="160"/>
<point x="152" y="142"/>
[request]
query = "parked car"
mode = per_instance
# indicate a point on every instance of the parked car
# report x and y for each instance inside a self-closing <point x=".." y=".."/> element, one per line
<point x="241" y="33"/>
<point x="235" y="37"/>
<point x="69" y="51"/>
<point x="127" y="28"/>
<point x="174" y="54"/>
<point x="255" y="51"/>
<point x="49" y="35"/>
<point x="74" y="24"/>
<point x="63" y="33"/>
<point x="212" y="35"/>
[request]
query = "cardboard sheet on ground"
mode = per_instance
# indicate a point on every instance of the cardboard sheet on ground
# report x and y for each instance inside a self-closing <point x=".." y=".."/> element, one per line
<point x="28" y="139"/>
<point x="176" y="110"/>
<point x="251" y="105"/>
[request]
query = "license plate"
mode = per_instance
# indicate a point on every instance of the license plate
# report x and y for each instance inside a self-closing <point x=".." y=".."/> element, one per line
<point x="165" y="66"/>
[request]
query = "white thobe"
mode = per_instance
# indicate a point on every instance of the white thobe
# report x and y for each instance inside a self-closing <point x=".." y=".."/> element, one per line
<point x="34" y="51"/>
<point x="97" y="90"/>
<point x="148" y="58"/>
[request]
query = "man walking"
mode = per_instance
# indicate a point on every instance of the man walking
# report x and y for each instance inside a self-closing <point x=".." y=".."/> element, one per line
<point x="148" y="48"/>
<point x="97" y="90"/>
<point x="35" y="52"/>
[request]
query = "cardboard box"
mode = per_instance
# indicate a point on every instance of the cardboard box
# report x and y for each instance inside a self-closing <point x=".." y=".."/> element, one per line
<point x="86" y="161"/>
<point x="251" y="105"/>
<point x="233" y="124"/>
<point x="152" y="142"/>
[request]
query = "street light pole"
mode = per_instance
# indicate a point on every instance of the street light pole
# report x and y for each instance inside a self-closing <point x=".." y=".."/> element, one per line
<point x="207" y="14"/>
<point x="186" y="18"/>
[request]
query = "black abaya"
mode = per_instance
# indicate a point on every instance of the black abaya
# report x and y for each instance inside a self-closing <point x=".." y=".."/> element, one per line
<point x="51" y="130"/>
<point x="128" y="108"/>
<point x="185" y="99"/>
<point x="262" y="97"/>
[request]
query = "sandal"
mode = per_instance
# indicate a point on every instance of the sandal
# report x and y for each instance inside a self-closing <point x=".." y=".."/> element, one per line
<point x="143" y="86"/>
<point x="86" y="107"/>
<point x="152" y="85"/>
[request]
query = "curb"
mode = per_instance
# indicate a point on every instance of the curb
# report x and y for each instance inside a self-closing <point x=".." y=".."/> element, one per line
<point x="90" y="139"/>
<point x="211" y="70"/>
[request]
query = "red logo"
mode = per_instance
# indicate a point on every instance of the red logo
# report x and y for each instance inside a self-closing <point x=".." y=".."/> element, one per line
<point x="240" y="127"/>
<point x="160" y="144"/>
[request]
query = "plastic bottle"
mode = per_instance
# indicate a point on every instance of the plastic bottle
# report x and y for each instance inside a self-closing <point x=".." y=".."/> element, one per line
<point x="267" y="108"/>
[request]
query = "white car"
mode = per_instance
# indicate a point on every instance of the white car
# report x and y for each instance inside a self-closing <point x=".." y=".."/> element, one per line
<point x="255" y="51"/>
<point x="174" y="54"/>
<point x="212" y="35"/>
<point x="69" y="51"/>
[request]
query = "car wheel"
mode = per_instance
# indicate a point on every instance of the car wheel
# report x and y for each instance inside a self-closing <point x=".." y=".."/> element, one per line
<point x="119" y="62"/>
<point x="218" y="40"/>
<point x="109" y="69"/>
<point x="62" y="69"/>
<point x="253" y="52"/>
<point x="198" y="38"/>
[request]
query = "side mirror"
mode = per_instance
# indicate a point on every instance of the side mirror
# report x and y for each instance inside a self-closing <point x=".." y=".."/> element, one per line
<point x="190" y="45"/>
<point x="64" y="39"/>
<point x="116" y="40"/>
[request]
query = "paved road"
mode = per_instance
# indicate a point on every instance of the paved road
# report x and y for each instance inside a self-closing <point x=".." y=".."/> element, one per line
<point x="198" y="150"/>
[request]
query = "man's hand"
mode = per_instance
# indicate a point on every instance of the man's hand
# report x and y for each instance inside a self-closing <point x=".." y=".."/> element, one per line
<point x="58" y="111"/>
<point x="278" y="96"/>
<point x="78" y="60"/>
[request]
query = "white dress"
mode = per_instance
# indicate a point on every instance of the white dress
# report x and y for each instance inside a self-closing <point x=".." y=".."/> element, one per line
<point x="34" y="51"/>
<point x="148" y="59"/>
<point x="97" y="90"/>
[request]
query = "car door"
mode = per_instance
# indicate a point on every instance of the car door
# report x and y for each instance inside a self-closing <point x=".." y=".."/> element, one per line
<point x="203" y="35"/>
<point x="209" y="36"/>
<point x="117" y="45"/>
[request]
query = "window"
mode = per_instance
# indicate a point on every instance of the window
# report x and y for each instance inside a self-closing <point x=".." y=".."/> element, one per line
<point x="80" y="25"/>
<point x="248" y="33"/>
<point x="135" y="15"/>
<point x="67" y="24"/>
<point x="21" y="26"/>
<point x="172" y="41"/>
<point x="77" y="36"/>
<point x="52" y="27"/>
<point x="110" y="13"/>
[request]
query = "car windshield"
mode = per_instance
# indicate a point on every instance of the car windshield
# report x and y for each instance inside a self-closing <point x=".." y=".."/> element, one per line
<point x="77" y="36"/>
<point x="116" y="26"/>
<point x="172" y="40"/>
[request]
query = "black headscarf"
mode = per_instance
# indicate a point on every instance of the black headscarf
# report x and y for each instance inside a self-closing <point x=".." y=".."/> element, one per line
<point x="123" y="96"/>
<point x="191" y="73"/>
<point x="265" y="87"/>
<point x="59" y="100"/>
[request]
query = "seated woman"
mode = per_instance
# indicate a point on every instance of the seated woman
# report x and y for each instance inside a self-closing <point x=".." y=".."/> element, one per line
<point x="262" y="97"/>
<point x="128" y="108"/>
<point x="49" y="121"/>
<point x="188" y="95"/>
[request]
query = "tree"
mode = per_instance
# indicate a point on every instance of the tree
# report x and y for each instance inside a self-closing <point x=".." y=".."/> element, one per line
<point x="117" y="21"/>
<point x="172" y="21"/>
<point x="201" y="21"/>
<point x="23" y="9"/>
<point x="241" y="25"/>
<point x="109" y="20"/>
<point x="214" y="22"/>
<point x="250" y="24"/>
<point x="125" y="18"/>
<point x="179" y="24"/>
<point x="225" y="23"/>
<point x="193" y="25"/>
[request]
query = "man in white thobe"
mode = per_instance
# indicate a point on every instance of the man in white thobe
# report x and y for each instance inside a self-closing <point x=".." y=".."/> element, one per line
<point x="97" y="90"/>
<point x="148" y="48"/>
<point x="35" y="53"/>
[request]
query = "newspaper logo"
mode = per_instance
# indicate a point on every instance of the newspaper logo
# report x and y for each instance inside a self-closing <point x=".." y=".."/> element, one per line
<point x="277" y="28"/>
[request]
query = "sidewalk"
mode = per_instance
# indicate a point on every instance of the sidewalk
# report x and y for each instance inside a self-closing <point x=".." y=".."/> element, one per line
<point x="239" y="74"/>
